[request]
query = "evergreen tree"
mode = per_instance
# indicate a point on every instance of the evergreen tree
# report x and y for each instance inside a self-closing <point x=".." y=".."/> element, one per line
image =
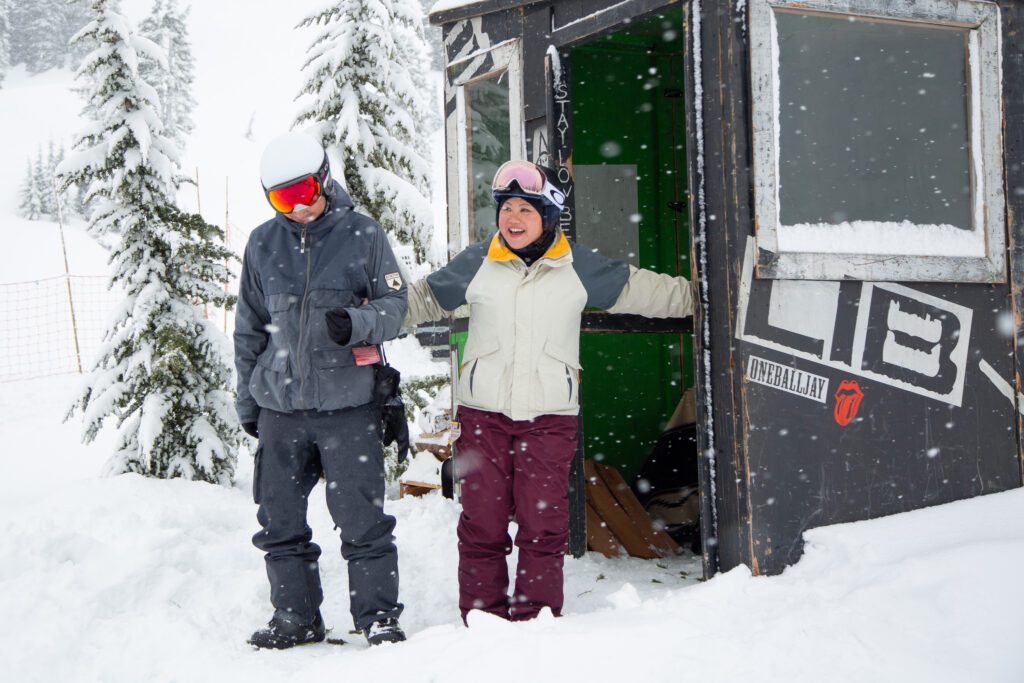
<point x="121" y="158"/>
<point x="44" y="184"/>
<point x="55" y="155"/>
<point x="29" y="206"/>
<point x="5" y="44"/>
<point x="360" y="96"/>
<point x="162" y="373"/>
<point x="435" y="41"/>
<point x="74" y="15"/>
<point x="167" y="27"/>
<point x="25" y="31"/>
<point x="51" y="46"/>
<point x="41" y="30"/>
<point x="421" y="89"/>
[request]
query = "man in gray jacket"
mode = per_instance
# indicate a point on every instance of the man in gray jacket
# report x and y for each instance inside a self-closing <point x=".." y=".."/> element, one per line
<point x="320" y="289"/>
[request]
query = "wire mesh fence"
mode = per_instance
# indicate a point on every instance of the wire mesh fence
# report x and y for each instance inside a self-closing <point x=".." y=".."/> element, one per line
<point x="56" y="325"/>
<point x="52" y="326"/>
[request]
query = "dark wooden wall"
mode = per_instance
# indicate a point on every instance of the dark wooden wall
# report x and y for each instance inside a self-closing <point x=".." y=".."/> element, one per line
<point x="780" y="464"/>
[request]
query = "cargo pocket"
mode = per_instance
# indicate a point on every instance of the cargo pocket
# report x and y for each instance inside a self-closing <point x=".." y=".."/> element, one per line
<point x="270" y="379"/>
<point x="559" y="378"/>
<point x="284" y="315"/>
<point x="256" y="477"/>
<point x="481" y="376"/>
<point x="340" y="382"/>
<point x="320" y="301"/>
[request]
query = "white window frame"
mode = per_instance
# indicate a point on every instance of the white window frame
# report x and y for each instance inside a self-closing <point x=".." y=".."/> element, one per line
<point x="506" y="58"/>
<point x="982" y="18"/>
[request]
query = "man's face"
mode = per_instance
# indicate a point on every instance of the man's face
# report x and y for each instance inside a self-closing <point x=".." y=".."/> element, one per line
<point x="310" y="213"/>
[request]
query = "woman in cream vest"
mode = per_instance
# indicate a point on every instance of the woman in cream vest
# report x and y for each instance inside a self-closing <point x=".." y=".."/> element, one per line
<point x="518" y="389"/>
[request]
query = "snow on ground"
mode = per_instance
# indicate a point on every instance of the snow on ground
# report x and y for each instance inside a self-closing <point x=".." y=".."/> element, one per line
<point x="130" y="579"/>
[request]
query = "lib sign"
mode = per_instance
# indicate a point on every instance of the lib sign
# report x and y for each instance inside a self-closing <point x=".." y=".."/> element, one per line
<point x="885" y="332"/>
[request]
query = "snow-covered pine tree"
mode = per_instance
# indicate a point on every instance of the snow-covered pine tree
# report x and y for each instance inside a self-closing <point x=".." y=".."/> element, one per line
<point x="74" y="16"/>
<point x="40" y="31"/>
<point x="25" y="27"/>
<point x="121" y="157"/>
<point x="432" y="35"/>
<point x="44" y="184"/>
<point x="52" y="40"/>
<point x="54" y="156"/>
<point x="167" y="26"/>
<point x="5" y="38"/>
<point x="422" y="86"/>
<point x="359" y="97"/>
<point x="29" y="205"/>
<point x="162" y="373"/>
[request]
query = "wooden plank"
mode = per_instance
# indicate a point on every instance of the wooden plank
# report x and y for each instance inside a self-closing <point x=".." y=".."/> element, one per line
<point x="415" y="488"/>
<point x="723" y="221"/>
<point x="441" y="451"/>
<point x="599" y="536"/>
<point x="656" y="538"/>
<point x="597" y="321"/>
<point x="614" y="515"/>
<point x="572" y="25"/>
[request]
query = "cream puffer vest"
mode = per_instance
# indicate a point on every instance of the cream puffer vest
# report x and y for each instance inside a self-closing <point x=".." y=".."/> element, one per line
<point x="522" y="355"/>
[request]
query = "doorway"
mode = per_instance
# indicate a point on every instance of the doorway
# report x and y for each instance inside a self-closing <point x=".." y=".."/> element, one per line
<point x="630" y="179"/>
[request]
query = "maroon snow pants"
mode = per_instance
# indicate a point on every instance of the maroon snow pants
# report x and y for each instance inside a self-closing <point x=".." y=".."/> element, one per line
<point x="514" y="469"/>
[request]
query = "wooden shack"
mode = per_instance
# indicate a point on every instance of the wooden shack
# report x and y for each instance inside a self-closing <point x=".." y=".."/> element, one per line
<point x="845" y="181"/>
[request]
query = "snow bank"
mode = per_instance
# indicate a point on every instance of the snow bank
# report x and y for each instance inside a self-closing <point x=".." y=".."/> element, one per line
<point x="129" y="579"/>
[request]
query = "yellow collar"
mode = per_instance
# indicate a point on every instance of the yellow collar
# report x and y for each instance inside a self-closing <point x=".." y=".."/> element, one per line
<point x="499" y="252"/>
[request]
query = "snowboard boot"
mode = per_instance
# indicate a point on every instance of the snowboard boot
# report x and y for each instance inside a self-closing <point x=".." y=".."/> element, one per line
<point x="281" y="634"/>
<point x="384" y="631"/>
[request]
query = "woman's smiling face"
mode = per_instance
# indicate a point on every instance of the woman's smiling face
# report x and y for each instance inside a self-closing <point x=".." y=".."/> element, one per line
<point x="519" y="223"/>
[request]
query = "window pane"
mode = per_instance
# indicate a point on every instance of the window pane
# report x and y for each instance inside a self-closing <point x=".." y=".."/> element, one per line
<point x="490" y="145"/>
<point x="873" y="122"/>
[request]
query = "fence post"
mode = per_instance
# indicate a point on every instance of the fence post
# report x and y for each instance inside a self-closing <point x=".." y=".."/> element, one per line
<point x="199" y="197"/>
<point x="227" y="243"/>
<point x="199" y="210"/>
<point x="67" y="274"/>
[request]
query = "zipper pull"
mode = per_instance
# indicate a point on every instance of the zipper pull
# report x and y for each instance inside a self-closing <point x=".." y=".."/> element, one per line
<point x="302" y="242"/>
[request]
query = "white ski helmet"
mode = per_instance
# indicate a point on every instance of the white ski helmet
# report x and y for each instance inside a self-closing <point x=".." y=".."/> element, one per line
<point x="293" y="156"/>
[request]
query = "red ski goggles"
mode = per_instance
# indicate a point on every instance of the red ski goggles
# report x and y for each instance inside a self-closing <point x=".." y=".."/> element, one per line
<point x="299" y="192"/>
<point x="529" y="178"/>
<point x="302" y="192"/>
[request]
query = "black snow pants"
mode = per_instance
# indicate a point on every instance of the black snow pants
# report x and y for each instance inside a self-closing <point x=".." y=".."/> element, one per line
<point x="294" y="450"/>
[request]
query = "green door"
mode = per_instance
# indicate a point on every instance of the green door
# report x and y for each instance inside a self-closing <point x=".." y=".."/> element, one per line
<point x="628" y="141"/>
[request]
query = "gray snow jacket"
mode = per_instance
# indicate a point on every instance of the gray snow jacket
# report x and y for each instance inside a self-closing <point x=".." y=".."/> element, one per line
<point x="291" y="276"/>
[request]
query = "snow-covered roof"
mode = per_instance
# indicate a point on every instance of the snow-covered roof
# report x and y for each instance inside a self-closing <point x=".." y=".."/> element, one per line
<point x="445" y="11"/>
<point x="446" y="5"/>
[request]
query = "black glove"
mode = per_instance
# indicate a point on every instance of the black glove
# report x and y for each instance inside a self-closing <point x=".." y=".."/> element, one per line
<point x="251" y="429"/>
<point x="339" y="326"/>
<point x="388" y="398"/>
<point x="395" y="427"/>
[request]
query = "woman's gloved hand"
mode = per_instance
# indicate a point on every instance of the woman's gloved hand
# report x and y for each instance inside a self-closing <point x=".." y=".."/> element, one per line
<point x="339" y="326"/>
<point x="251" y="429"/>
